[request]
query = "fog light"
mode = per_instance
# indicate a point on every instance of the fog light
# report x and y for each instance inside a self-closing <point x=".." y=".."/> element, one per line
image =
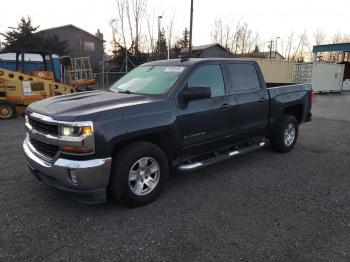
<point x="73" y="177"/>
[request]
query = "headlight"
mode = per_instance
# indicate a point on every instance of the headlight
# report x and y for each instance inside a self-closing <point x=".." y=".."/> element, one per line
<point x="26" y="118"/>
<point x="76" y="137"/>
<point x="69" y="131"/>
<point x="76" y="129"/>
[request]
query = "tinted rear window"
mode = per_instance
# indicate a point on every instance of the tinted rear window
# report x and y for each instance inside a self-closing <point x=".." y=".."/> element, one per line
<point x="243" y="77"/>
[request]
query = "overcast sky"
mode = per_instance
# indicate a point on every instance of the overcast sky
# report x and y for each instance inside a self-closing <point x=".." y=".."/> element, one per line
<point x="271" y="18"/>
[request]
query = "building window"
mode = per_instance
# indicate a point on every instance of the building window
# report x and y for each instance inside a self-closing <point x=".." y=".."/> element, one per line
<point x="89" y="46"/>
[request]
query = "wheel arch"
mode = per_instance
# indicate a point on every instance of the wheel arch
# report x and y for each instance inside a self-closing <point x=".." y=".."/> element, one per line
<point x="162" y="139"/>
<point x="296" y="111"/>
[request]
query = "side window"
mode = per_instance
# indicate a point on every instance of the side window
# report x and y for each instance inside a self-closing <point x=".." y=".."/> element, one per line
<point x="243" y="77"/>
<point x="211" y="76"/>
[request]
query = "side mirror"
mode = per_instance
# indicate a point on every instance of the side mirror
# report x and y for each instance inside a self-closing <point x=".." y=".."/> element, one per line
<point x="196" y="92"/>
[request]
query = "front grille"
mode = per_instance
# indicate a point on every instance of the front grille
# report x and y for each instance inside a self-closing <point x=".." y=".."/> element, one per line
<point x="43" y="148"/>
<point x="44" y="127"/>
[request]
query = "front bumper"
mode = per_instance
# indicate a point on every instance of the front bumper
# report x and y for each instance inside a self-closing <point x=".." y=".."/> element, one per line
<point x="91" y="177"/>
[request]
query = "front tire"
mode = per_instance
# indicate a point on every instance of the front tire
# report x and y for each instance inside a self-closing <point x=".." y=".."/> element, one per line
<point x="139" y="173"/>
<point x="285" y="134"/>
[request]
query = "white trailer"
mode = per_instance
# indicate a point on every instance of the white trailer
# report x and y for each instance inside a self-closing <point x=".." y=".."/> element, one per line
<point x="327" y="77"/>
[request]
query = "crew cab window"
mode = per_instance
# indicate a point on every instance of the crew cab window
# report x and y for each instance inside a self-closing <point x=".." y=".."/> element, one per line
<point x="210" y="76"/>
<point x="243" y="77"/>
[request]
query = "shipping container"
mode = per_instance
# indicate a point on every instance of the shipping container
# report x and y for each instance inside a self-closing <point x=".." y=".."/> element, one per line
<point x="276" y="71"/>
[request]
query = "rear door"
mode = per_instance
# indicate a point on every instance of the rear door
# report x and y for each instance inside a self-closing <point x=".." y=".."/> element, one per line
<point x="250" y="98"/>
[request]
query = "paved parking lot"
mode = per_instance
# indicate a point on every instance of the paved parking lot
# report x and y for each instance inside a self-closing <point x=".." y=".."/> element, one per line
<point x="262" y="206"/>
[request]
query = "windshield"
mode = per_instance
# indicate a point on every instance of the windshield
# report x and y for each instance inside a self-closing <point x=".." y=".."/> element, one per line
<point x="152" y="80"/>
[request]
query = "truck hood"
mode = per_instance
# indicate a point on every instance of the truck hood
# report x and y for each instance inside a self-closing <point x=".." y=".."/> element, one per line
<point x="70" y="107"/>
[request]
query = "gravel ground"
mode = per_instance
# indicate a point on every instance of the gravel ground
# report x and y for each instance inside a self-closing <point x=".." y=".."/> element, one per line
<point x="262" y="206"/>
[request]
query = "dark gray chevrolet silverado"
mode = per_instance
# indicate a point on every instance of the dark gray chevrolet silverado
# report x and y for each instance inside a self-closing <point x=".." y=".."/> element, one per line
<point x="185" y="113"/>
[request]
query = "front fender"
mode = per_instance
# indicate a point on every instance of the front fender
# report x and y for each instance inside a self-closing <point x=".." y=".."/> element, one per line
<point x="134" y="122"/>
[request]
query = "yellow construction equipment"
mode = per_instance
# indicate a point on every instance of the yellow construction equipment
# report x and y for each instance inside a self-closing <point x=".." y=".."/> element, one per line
<point x="20" y="89"/>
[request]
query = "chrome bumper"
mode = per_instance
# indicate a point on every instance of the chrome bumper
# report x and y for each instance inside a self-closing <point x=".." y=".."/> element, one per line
<point x="90" y="174"/>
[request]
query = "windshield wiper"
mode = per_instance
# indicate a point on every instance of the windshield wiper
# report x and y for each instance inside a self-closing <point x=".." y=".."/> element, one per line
<point x="126" y="92"/>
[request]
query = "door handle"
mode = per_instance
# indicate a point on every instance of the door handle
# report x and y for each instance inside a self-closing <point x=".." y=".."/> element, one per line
<point x="262" y="100"/>
<point x="225" y="106"/>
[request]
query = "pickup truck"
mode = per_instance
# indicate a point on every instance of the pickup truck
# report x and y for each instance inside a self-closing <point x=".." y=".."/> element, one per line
<point x="181" y="113"/>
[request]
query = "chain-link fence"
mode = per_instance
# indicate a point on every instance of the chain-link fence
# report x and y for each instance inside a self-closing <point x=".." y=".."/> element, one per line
<point x="106" y="80"/>
<point x="302" y="73"/>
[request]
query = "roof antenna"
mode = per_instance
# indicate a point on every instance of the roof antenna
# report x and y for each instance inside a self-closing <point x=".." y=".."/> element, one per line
<point x="184" y="59"/>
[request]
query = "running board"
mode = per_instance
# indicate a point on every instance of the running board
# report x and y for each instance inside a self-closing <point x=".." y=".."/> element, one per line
<point x="216" y="159"/>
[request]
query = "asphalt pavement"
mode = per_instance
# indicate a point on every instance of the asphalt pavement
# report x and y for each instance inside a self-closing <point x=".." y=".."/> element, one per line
<point x="262" y="206"/>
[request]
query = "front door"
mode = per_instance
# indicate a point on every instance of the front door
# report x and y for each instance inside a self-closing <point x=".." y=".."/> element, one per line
<point x="203" y="122"/>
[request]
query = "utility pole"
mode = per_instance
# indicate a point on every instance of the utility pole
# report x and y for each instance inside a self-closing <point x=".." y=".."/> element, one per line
<point x="159" y="35"/>
<point x="103" y="66"/>
<point x="169" y="49"/>
<point x="191" y="25"/>
<point x="276" y="46"/>
<point x="126" y="60"/>
<point x="271" y="48"/>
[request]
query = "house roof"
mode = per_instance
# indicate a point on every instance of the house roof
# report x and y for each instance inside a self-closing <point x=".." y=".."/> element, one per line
<point x="273" y="52"/>
<point x="191" y="61"/>
<point x="262" y="54"/>
<point x="70" y="25"/>
<point x="202" y="47"/>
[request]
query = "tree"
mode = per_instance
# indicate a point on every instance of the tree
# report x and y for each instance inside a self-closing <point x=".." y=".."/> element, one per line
<point x="184" y="41"/>
<point x="127" y="33"/>
<point x="51" y="43"/>
<point x="340" y="38"/>
<point x="217" y="32"/>
<point x="151" y="40"/>
<point x="239" y="38"/>
<point x="289" y="45"/>
<point x="162" y="45"/>
<point x="25" y="37"/>
<point x="180" y="43"/>
<point x="302" y="45"/>
<point x="139" y="7"/>
<point x="256" y="49"/>
<point x="129" y="21"/>
<point x="319" y="37"/>
<point x="170" y="34"/>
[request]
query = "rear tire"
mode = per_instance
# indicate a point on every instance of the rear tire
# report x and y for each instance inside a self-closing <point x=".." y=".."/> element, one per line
<point x="7" y="110"/>
<point x="140" y="171"/>
<point x="285" y="134"/>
